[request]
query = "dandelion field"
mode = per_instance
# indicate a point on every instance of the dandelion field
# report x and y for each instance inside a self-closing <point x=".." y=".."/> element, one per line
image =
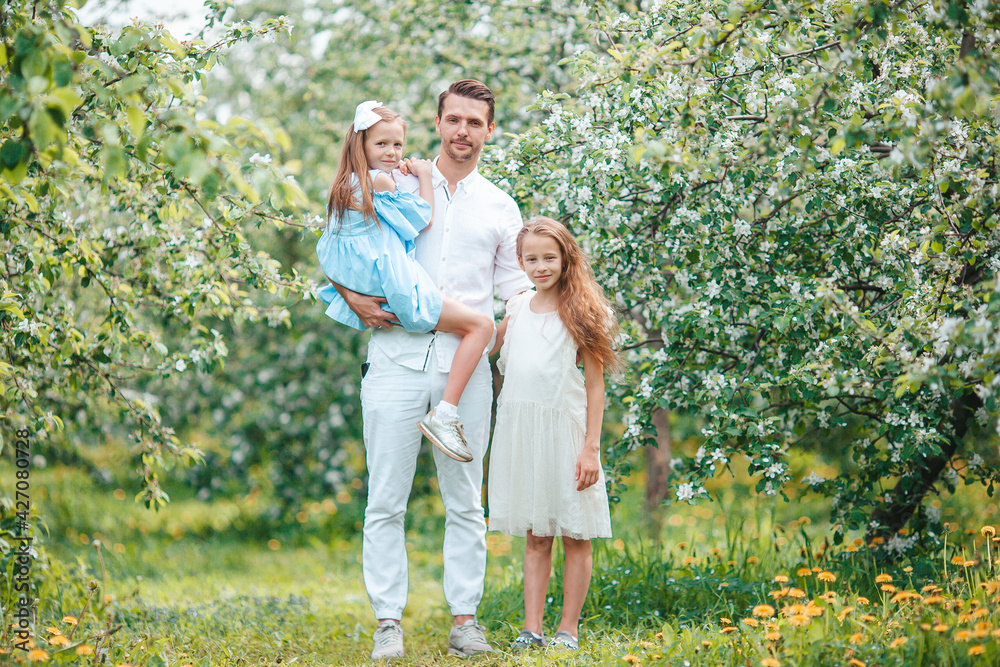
<point x="742" y="581"/>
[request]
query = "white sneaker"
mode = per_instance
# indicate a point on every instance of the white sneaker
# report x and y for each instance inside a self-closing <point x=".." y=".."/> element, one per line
<point x="387" y="641"/>
<point x="468" y="639"/>
<point x="447" y="436"/>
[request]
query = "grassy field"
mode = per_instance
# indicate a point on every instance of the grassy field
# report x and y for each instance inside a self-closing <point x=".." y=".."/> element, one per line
<point x="744" y="581"/>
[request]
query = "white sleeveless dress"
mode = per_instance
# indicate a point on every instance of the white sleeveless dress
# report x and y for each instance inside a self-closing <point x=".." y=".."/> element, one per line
<point x="540" y="427"/>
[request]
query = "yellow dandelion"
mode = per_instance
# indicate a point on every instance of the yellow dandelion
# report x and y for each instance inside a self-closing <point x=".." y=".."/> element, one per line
<point x="969" y="563"/>
<point x="963" y="636"/>
<point x="857" y="638"/>
<point x="770" y="662"/>
<point x="863" y="600"/>
<point x="799" y="620"/>
<point x="988" y="531"/>
<point x="883" y="578"/>
<point x="926" y="627"/>
<point x="941" y="627"/>
<point x="796" y="593"/>
<point x="958" y="560"/>
<point x="792" y="609"/>
<point x="763" y="611"/>
<point x="868" y="618"/>
<point x="898" y="641"/>
<point x="843" y="613"/>
<point x="854" y="662"/>
<point x="781" y="579"/>
<point x="727" y="629"/>
<point x="706" y="643"/>
<point x="752" y="622"/>
<point x="828" y="577"/>
<point x="70" y="620"/>
<point x="931" y="588"/>
<point x="850" y="548"/>
<point x="877" y="541"/>
<point x="996" y="633"/>
<point x="84" y="649"/>
<point x="646" y="644"/>
<point x="813" y="610"/>
<point x="978" y="649"/>
<point x="780" y="593"/>
<point x="772" y="636"/>
<point x="59" y="640"/>
<point x="888" y="588"/>
<point x="933" y="599"/>
<point x="682" y="545"/>
<point x="38" y="655"/>
<point x="803" y="572"/>
<point x="907" y="569"/>
<point x="658" y="635"/>
<point x="689" y="560"/>
<point x="52" y="630"/>
<point x="630" y="659"/>
<point x="753" y="560"/>
<point x="990" y="587"/>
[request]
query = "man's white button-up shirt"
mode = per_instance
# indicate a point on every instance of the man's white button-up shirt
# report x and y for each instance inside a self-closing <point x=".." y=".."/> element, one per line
<point x="469" y="251"/>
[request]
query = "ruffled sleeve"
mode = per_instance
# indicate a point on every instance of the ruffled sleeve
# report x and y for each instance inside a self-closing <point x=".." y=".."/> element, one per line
<point x="404" y="212"/>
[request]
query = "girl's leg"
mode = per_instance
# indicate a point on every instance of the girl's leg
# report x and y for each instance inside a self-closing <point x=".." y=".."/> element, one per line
<point x="476" y="331"/>
<point x="537" y="568"/>
<point x="578" y="564"/>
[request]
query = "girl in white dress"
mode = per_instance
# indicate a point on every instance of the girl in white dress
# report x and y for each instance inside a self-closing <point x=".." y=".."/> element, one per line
<point x="545" y="477"/>
<point x="368" y="248"/>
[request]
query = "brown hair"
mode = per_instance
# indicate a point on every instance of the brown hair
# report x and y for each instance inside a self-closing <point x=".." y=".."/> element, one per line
<point x="344" y="193"/>
<point x="583" y="308"/>
<point x="474" y="90"/>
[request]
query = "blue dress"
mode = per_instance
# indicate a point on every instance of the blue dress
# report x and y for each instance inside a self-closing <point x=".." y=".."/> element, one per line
<point x="379" y="260"/>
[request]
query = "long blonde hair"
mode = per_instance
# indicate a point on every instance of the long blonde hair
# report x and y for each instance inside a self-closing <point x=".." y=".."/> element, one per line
<point x="344" y="193"/>
<point x="583" y="307"/>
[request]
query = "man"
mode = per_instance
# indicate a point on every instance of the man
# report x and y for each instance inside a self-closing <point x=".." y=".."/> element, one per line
<point x="468" y="251"/>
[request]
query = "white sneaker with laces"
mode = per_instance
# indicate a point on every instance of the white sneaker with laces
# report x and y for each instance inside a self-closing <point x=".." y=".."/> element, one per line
<point x="468" y="639"/>
<point x="447" y="436"/>
<point x="387" y="640"/>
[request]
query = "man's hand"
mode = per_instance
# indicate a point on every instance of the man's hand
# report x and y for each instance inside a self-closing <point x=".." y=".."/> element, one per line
<point x="367" y="308"/>
<point x="588" y="466"/>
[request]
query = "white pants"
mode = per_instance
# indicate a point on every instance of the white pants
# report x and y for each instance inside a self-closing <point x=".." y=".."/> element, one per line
<point x="393" y="399"/>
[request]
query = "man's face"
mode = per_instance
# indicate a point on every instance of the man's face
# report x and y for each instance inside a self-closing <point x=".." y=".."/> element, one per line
<point x="463" y="128"/>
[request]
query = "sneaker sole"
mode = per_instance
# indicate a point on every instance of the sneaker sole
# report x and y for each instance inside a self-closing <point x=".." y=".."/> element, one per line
<point x="445" y="450"/>
<point x="463" y="654"/>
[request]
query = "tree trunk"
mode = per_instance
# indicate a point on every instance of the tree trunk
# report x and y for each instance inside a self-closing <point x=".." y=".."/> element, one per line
<point x="910" y="491"/>
<point x="658" y="462"/>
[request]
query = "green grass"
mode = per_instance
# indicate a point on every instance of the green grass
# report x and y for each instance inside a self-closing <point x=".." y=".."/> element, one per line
<point x="210" y="583"/>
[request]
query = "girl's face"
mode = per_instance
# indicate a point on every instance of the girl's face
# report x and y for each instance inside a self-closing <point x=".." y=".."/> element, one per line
<point x="541" y="260"/>
<point x="384" y="145"/>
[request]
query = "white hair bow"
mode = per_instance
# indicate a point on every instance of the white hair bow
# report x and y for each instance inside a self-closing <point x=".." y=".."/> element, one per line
<point x="365" y="116"/>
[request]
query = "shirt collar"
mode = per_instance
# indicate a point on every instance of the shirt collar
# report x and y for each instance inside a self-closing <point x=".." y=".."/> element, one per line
<point x="437" y="178"/>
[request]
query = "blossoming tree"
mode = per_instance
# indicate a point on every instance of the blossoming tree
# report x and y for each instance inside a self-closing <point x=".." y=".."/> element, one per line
<point x="796" y="202"/>
<point x="124" y="219"/>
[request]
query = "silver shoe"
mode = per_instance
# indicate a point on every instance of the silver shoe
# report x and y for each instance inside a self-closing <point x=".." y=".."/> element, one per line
<point x="527" y="640"/>
<point x="565" y="641"/>
<point x="446" y="436"/>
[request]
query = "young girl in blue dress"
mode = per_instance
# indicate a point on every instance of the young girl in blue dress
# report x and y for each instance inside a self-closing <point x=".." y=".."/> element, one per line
<point x="368" y="247"/>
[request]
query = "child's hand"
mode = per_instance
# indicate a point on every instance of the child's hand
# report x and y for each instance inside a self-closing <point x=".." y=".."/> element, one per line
<point x="588" y="467"/>
<point x="417" y="167"/>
